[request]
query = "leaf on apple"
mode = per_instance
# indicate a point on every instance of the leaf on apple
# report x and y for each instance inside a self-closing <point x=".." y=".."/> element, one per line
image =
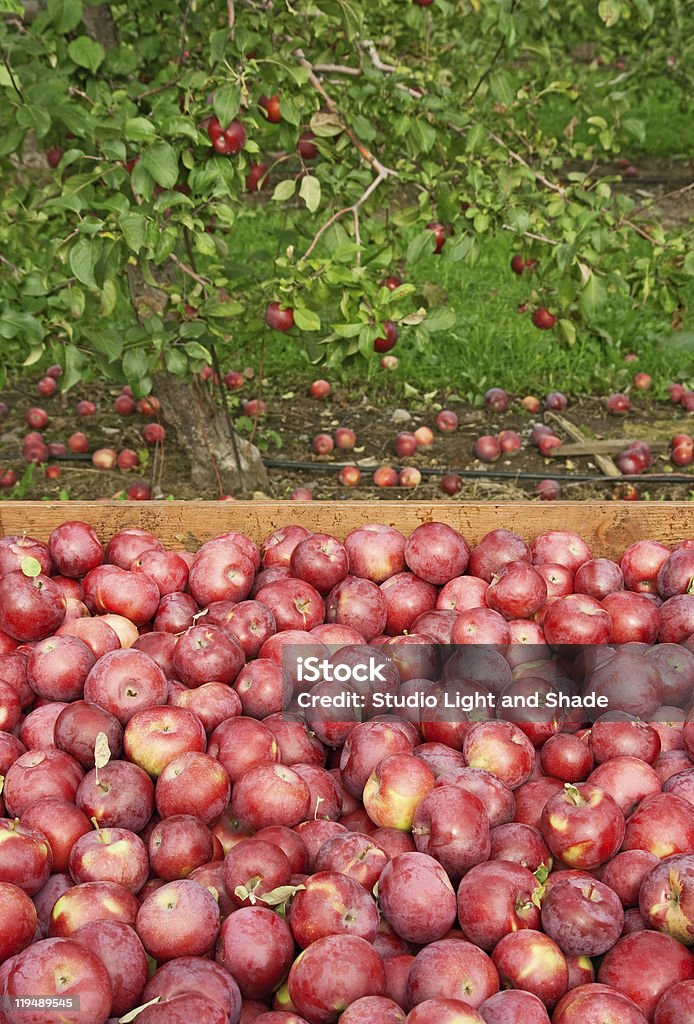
<point x="30" y="566"/>
<point x="137" y="1011"/>
<point x="102" y="753"/>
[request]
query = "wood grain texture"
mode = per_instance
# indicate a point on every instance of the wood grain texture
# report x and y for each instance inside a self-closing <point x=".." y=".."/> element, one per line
<point x="609" y="526"/>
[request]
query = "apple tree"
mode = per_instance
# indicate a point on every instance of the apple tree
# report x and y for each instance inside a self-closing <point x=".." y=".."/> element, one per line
<point x="136" y="137"/>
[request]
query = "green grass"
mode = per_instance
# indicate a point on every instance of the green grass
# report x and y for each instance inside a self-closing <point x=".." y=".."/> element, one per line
<point x="492" y="343"/>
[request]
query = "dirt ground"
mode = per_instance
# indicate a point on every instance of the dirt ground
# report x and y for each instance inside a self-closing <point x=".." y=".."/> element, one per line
<point x="294" y="419"/>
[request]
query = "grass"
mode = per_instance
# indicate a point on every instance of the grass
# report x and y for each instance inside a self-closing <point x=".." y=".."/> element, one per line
<point x="492" y="344"/>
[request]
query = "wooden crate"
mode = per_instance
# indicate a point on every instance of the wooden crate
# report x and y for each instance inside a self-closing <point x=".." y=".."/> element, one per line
<point x="609" y="526"/>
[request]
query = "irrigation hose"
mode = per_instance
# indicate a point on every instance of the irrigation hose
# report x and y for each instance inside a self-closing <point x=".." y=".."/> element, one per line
<point x="501" y="474"/>
<point x="468" y="474"/>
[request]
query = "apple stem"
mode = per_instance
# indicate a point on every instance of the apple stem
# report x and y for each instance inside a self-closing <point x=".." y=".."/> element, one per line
<point x="573" y="794"/>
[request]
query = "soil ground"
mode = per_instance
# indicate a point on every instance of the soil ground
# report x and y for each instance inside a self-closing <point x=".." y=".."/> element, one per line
<point x="294" y="419"/>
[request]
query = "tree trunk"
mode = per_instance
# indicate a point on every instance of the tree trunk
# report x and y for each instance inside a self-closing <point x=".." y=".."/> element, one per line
<point x="201" y="431"/>
<point x="100" y="25"/>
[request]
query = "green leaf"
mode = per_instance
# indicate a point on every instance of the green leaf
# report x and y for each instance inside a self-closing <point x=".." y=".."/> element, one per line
<point x="161" y="161"/>
<point x="289" y="111"/>
<point x="310" y="192"/>
<point x="218" y="42"/>
<point x="86" y="53"/>
<point x="72" y="367"/>
<point x="593" y="296"/>
<point x="347" y="330"/>
<point x="645" y="10"/>
<point x="195" y="350"/>
<point x="134" y="228"/>
<point x="109" y="297"/>
<point x="176" y="362"/>
<point x="226" y="103"/>
<point x="422" y="243"/>
<point x="568" y="331"/>
<point x="34" y="356"/>
<point x="10" y="139"/>
<point x="284" y="190"/>
<point x="65" y="14"/>
<point x="12" y="7"/>
<point x="689" y="263"/>
<point x="30" y="566"/>
<point x="139" y="129"/>
<point x="83" y="257"/>
<point x="108" y="343"/>
<point x="500" y="86"/>
<point x="326" y="125"/>
<point x="424" y="134"/>
<point x="306" y="319"/>
<point x="222" y="309"/>
<point x="135" y="365"/>
<point x="475" y="138"/>
<point x="15" y="322"/>
<point x="442" y="319"/>
<point x="177" y="124"/>
<point x="610" y="11"/>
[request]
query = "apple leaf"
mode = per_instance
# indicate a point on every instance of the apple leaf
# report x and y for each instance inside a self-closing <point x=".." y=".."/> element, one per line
<point x="102" y="753"/>
<point x="139" y="129"/>
<point x="593" y="296"/>
<point x="422" y="243"/>
<point x="162" y="163"/>
<point x="310" y="192"/>
<point x="568" y="330"/>
<point x="243" y="893"/>
<point x="226" y="103"/>
<point x="443" y="319"/>
<point x="281" y="894"/>
<point x="133" y="1014"/>
<point x="83" y="257"/>
<point x="542" y="873"/>
<point x="30" y="566"/>
<point x="86" y="53"/>
<point x="284" y="190"/>
<point x="306" y="319"/>
<point x="65" y="14"/>
<point x="610" y="11"/>
<point x="326" y="125"/>
<point x="34" y="356"/>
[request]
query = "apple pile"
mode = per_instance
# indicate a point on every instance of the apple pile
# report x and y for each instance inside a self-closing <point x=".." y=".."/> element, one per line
<point x="175" y="837"/>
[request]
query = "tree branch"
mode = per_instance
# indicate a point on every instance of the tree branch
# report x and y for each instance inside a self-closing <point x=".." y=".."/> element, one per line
<point x="370" y="48"/>
<point x="524" y="163"/>
<point x="353" y="209"/>
<point x="189" y="272"/>
<point x="362" y="149"/>
<point x="8" y="263"/>
<point x="159" y="88"/>
<point x="338" y="69"/>
<point x="12" y="78"/>
<point x="535" y="236"/>
<point x="231" y="17"/>
<point x="487" y="72"/>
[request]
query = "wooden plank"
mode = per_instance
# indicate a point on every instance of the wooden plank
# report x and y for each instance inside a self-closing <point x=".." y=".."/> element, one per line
<point x="606" y="446"/>
<point x="604" y="463"/>
<point x="609" y="526"/>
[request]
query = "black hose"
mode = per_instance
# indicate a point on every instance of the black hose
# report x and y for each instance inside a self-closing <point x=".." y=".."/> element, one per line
<point x="468" y="474"/>
<point x="502" y="474"/>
